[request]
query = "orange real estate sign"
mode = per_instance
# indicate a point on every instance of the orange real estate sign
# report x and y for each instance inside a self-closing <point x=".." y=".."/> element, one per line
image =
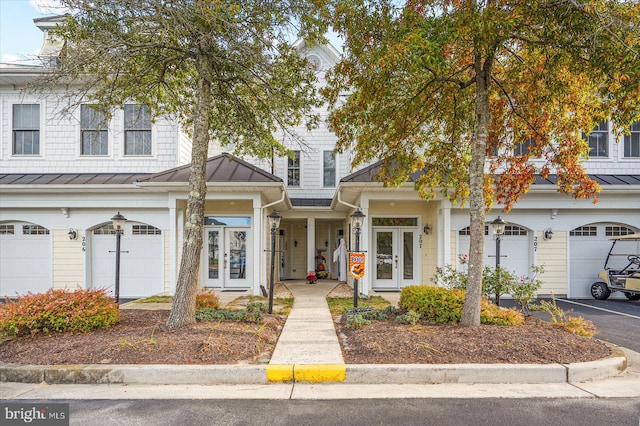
<point x="356" y="265"/>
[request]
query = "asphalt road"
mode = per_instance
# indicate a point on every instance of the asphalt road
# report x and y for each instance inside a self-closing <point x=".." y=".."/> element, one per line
<point x="441" y="412"/>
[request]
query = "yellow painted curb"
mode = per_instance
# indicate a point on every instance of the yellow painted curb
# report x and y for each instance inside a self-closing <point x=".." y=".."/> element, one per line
<point x="280" y="373"/>
<point x="318" y="373"/>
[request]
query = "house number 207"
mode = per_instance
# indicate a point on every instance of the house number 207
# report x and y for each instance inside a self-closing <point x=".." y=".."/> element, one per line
<point x="535" y="244"/>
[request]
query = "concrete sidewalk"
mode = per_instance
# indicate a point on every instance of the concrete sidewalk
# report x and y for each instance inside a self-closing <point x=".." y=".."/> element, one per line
<point x="308" y="361"/>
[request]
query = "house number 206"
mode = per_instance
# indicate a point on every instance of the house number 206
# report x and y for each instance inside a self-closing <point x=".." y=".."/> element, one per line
<point x="84" y="244"/>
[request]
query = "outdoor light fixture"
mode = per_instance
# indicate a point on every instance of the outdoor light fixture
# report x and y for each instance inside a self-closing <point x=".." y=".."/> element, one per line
<point x="548" y="234"/>
<point x="426" y="230"/>
<point x="274" y="223"/>
<point x="357" y="219"/>
<point x="498" y="226"/>
<point x="73" y="234"/>
<point x="295" y="243"/>
<point x="118" y="222"/>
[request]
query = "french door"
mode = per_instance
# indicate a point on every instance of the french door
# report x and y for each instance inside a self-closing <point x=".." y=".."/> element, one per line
<point x="226" y="257"/>
<point x="395" y="262"/>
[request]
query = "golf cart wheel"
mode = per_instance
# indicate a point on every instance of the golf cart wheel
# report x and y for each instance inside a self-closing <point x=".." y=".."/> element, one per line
<point x="632" y="296"/>
<point x="600" y="291"/>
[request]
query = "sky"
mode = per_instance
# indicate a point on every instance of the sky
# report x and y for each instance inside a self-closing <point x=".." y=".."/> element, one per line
<point x="20" y="38"/>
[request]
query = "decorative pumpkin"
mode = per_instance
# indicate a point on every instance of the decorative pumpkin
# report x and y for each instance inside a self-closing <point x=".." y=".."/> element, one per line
<point x="321" y="267"/>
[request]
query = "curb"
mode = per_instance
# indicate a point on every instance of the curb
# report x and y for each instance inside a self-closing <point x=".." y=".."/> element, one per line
<point x="318" y="373"/>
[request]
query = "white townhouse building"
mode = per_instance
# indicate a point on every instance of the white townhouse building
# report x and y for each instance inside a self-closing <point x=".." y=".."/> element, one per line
<point x="62" y="179"/>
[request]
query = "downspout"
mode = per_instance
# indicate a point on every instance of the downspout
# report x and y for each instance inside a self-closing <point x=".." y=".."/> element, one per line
<point x="345" y="203"/>
<point x="262" y="222"/>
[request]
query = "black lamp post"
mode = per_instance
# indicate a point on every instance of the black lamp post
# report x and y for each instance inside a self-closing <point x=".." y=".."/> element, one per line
<point x="357" y="218"/>
<point x="274" y="224"/>
<point x="118" y="224"/>
<point x="498" y="230"/>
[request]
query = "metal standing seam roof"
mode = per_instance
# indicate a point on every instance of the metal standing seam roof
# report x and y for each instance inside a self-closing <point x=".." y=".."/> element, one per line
<point x="71" y="178"/>
<point x="223" y="168"/>
<point x="368" y="174"/>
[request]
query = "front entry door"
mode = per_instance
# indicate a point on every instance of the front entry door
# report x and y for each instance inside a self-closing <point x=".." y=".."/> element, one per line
<point x="226" y="257"/>
<point x="394" y="258"/>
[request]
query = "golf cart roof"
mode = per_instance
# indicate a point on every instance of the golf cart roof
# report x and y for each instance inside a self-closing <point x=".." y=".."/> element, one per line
<point x="630" y="237"/>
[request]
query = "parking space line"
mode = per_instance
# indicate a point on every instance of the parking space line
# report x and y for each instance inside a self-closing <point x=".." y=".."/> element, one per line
<point x="600" y="309"/>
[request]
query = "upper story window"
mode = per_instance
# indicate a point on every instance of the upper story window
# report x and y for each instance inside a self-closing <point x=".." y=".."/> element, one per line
<point x="26" y="129"/>
<point x="137" y="130"/>
<point x="599" y="140"/>
<point x="329" y="169"/>
<point x="93" y="129"/>
<point x="632" y="142"/>
<point x="523" y="148"/>
<point x="293" y="169"/>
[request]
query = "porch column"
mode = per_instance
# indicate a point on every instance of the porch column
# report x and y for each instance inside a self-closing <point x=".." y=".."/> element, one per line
<point x="364" y="283"/>
<point x="444" y="234"/>
<point x="173" y="249"/>
<point x="311" y="244"/>
<point x="258" y="251"/>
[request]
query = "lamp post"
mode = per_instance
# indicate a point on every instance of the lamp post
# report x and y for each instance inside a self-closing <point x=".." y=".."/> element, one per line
<point x="118" y="224"/>
<point x="357" y="218"/>
<point x="274" y="224"/>
<point x="498" y="230"/>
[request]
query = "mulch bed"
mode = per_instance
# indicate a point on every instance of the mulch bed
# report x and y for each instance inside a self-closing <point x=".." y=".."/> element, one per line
<point x="142" y="337"/>
<point x="534" y="342"/>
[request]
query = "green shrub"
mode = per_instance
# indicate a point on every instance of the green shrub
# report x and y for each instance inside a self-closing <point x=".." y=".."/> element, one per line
<point x="411" y="317"/>
<point x="208" y="314"/>
<point x="435" y="304"/>
<point x="441" y="305"/>
<point x="207" y="299"/>
<point x="58" y="310"/>
<point x="357" y="321"/>
<point x="493" y="314"/>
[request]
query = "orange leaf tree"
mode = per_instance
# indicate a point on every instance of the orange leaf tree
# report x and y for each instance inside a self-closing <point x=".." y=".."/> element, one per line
<point x="453" y="87"/>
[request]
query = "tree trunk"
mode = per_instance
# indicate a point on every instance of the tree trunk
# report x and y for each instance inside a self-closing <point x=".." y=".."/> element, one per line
<point x="184" y="303"/>
<point x="471" y="308"/>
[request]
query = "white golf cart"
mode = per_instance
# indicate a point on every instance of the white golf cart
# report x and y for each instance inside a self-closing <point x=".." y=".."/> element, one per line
<point x="617" y="278"/>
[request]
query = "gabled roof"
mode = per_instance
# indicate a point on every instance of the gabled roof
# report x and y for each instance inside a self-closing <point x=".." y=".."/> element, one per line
<point x="223" y="168"/>
<point x="368" y="174"/>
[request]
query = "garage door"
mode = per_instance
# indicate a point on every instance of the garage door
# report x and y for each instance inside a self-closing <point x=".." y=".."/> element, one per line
<point x="514" y="248"/>
<point x="589" y="246"/>
<point x="25" y="258"/>
<point x="141" y="260"/>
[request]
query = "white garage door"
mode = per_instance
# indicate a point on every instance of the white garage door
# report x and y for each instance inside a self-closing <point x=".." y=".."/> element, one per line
<point x="141" y="261"/>
<point x="25" y="259"/>
<point x="589" y="246"/>
<point x="514" y="249"/>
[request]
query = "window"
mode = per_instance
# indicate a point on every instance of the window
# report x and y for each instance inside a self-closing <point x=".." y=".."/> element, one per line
<point x="523" y="147"/>
<point x="293" y="170"/>
<point x="632" y="142"/>
<point x="93" y="129"/>
<point x="467" y="230"/>
<point x="599" y="140"/>
<point x="584" y="231"/>
<point x="107" y="229"/>
<point x="145" y="230"/>
<point x="34" y="230"/>
<point x="26" y="129"/>
<point x="616" y="231"/>
<point x="6" y="230"/>
<point x="514" y="230"/>
<point x="329" y="169"/>
<point x="137" y="130"/>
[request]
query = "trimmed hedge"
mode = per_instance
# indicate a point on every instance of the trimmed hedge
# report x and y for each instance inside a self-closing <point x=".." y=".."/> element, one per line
<point x="58" y="310"/>
<point x="441" y="305"/>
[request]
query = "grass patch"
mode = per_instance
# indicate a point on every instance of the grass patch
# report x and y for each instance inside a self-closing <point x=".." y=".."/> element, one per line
<point x="281" y="305"/>
<point x="156" y="299"/>
<point x="338" y="305"/>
